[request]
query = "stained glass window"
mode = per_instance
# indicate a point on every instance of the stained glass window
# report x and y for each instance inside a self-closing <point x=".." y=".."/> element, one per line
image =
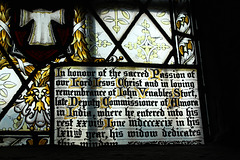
<point x="116" y="33"/>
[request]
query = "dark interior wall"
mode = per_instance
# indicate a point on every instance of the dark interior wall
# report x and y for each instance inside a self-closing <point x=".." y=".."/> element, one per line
<point x="218" y="32"/>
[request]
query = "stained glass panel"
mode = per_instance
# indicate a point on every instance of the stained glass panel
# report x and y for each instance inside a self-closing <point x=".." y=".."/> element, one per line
<point x="14" y="140"/>
<point x="117" y="33"/>
<point x="145" y="43"/>
<point x="99" y="43"/>
<point x="118" y="56"/>
<point x="160" y="11"/>
<point x="9" y="84"/>
<point x="183" y="20"/>
<point x="186" y="49"/>
<point x="118" y="19"/>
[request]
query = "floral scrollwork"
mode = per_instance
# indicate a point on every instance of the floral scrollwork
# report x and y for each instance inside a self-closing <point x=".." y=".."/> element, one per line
<point x="34" y="107"/>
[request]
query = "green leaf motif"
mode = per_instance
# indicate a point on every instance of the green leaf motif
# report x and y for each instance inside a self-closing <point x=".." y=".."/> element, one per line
<point x="125" y="14"/>
<point x="108" y="19"/>
<point x="3" y="92"/>
<point x="165" y="21"/>
<point x="4" y="76"/>
<point x="122" y="21"/>
<point x="161" y="14"/>
<point x="104" y="11"/>
<point x="2" y="102"/>
<point x="9" y="84"/>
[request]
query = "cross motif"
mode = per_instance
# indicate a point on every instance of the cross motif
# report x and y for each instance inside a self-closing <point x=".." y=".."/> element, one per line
<point x="42" y="32"/>
<point x="146" y="44"/>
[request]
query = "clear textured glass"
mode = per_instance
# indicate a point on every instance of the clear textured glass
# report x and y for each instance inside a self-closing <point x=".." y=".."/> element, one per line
<point x="145" y="43"/>
<point x="98" y="42"/>
<point x="117" y="19"/>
